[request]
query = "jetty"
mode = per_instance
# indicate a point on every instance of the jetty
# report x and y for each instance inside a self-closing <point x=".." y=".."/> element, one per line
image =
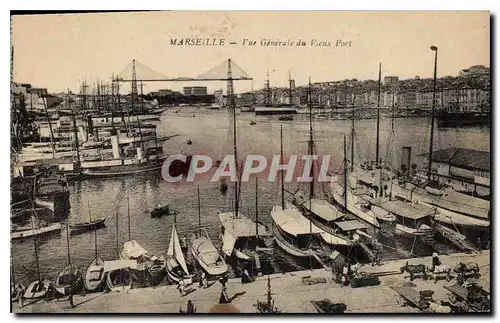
<point x="289" y="292"/>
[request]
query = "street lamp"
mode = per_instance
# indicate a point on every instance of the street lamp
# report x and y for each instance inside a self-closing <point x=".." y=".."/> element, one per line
<point x="435" y="50"/>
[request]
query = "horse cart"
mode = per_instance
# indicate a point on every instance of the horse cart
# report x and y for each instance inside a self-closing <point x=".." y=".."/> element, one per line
<point x="468" y="298"/>
<point x="411" y="297"/>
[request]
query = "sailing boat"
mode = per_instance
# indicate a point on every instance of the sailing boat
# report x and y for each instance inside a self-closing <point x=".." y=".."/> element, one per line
<point x="241" y="236"/>
<point x="69" y="280"/>
<point x="292" y="231"/>
<point x="177" y="268"/>
<point x="94" y="275"/>
<point x="369" y="200"/>
<point x="318" y="211"/>
<point x="38" y="288"/>
<point x="118" y="276"/>
<point x="203" y="250"/>
<point x="150" y="270"/>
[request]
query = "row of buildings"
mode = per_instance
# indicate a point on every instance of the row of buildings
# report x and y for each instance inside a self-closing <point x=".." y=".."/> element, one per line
<point x="469" y="91"/>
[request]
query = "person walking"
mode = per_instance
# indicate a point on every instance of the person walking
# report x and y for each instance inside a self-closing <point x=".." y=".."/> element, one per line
<point x="180" y="287"/>
<point x="204" y="280"/>
<point x="20" y="291"/>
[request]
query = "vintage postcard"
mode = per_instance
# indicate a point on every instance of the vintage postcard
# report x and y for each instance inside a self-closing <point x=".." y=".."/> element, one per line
<point x="265" y="162"/>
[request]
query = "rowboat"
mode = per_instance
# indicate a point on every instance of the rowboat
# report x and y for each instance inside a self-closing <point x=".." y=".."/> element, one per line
<point x="160" y="211"/>
<point x="118" y="276"/>
<point x="206" y="255"/>
<point x="84" y="226"/>
<point x="94" y="275"/>
<point x="37" y="289"/>
<point x="69" y="281"/>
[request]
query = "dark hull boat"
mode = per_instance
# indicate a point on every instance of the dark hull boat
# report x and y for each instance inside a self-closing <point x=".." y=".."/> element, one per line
<point x="87" y="226"/>
<point x="161" y="211"/>
<point x="69" y="281"/>
<point x="51" y="192"/>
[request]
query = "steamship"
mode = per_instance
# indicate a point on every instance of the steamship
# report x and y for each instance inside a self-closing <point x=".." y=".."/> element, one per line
<point x="131" y="165"/>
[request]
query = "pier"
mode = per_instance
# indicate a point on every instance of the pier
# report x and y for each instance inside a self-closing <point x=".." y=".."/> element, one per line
<point x="289" y="293"/>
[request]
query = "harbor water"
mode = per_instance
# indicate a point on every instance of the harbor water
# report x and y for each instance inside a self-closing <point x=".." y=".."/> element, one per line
<point x="210" y="134"/>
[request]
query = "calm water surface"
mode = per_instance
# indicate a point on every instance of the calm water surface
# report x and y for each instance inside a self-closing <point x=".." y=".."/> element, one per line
<point x="210" y="133"/>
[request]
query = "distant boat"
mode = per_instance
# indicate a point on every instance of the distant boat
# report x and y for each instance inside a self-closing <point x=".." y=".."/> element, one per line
<point x="177" y="267"/>
<point x="83" y="226"/>
<point x="51" y="192"/>
<point x="274" y="111"/>
<point x="160" y="211"/>
<point x="26" y="232"/>
<point x="206" y="255"/>
<point x="286" y="118"/>
<point x="252" y="123"/>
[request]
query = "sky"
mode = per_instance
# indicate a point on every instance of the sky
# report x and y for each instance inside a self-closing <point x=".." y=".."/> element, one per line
<point x="58" y="52"/>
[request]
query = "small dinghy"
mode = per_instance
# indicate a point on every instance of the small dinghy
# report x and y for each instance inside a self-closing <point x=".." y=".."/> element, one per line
<point x="118" y="277"/>
<point x="177" y="267"/>
<point x="37" y="289"/>
<point x="69" y="281"/>
<point x="94" y="275"/>
<point x="161" y="211"/>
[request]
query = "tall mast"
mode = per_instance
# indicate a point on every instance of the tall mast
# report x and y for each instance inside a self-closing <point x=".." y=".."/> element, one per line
<point x="235" y="150"/>
<point x="268" y="90"/>
<point x="35" y="241"/>
<point x="352" y="135"/>
<point x="310" y="152"/>
<point x="311" y="143"/>
<point x="67" y="242"/>
<point x="345" y="175"/>
<point x="282" y="177"/>
<point x="199" y="206"/>
<point x="117" y="240"/>
<point x="95" y="231"/>
<point x="50" y="125"/>
<point x="75" y="133"/>
<point x="128" y="212"/>
<point x="256" y="206"/>
<point x="378" y="114"/>
<point x="434" y="48"/>
<point x="392" y="114"/>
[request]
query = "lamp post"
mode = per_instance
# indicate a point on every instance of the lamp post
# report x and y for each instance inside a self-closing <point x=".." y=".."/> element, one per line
<point x="435" y="50"/>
